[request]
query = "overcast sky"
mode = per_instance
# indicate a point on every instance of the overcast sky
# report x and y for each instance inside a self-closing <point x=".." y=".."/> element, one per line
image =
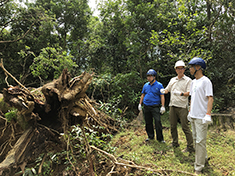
<point x="93" y="5"/>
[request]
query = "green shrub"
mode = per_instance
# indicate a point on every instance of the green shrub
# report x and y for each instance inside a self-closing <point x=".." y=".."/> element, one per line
<point x="118" y="93"/>
<point x="12" y="114"/>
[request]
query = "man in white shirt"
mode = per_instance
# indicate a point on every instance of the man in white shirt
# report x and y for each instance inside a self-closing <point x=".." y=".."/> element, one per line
<point x="201" y="92"/>
<point x="179" y="87"/>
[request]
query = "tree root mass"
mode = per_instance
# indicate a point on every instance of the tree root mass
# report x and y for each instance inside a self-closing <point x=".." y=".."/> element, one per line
<point x="40" y="122"/>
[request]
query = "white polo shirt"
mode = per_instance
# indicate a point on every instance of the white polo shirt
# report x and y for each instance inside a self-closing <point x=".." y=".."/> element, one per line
<point x="182" y="85"/>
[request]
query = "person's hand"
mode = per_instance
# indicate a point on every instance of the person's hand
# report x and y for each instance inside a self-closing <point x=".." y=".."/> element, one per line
<point x="207" y="119"/>
<point x="176" y="92"/>
<point x="139" y="107"/>
<point x="162" y="110"/>
<point x="163" y="91"/>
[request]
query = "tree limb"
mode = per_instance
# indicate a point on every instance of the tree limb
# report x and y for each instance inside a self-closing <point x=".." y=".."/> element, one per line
<point x="40" y="167"/>
<point x="1" y="65"/>
<point x="11" y="41"/>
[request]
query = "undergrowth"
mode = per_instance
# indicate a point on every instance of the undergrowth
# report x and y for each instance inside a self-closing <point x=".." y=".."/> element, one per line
<point x="131" y="146"/>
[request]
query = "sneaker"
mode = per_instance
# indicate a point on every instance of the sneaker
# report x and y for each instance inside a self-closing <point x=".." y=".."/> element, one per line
<point x="146" y="140"/>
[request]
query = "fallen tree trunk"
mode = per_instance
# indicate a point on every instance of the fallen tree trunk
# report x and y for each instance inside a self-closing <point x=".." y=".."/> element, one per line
<point x="42" y="122"/>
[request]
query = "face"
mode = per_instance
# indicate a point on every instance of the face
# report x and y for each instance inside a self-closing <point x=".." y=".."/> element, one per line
<point x="192" y="69"/>
<point x="180" y="70"/>
<point x="150" y="78"/>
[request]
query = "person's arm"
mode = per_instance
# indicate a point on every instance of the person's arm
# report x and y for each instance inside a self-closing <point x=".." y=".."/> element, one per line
<point x="168" y="87"/>
<point x="162" y="109"/>
<point x="142" y="98"/>
<point x="166" y="91"/>
<point x="185" y="94"/>
<point x="210" y="104"/>
<point x="162" y="100"/>
<point x="187" y="89"/>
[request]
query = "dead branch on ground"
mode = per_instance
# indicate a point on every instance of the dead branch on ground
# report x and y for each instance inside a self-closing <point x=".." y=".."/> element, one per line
<point x="132" y="165"/>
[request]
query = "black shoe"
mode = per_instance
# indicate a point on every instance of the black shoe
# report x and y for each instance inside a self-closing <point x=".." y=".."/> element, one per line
<point x="146" y="140"/>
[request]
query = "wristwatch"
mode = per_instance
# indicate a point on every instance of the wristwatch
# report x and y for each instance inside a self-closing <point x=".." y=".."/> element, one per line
<point x="182" y="94"/>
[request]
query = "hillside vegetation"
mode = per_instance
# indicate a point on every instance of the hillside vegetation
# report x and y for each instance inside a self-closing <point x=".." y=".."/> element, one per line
<point x="131" y="146"/>
<point x="41" y="38"/>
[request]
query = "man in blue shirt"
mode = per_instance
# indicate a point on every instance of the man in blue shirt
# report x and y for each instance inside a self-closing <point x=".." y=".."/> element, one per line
<point x="152" y="99"/>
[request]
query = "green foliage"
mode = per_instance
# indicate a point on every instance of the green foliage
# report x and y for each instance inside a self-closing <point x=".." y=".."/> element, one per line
<point x="216" y="104"/>
<point x="118" y="93"/>
<point x="125" y="90"/>
<point x="94" y="137"/>
<point x="4" y="106"/>
<point x="51" y="62"/>
<point x="21" y="34"/>
<point x="12" y="114"/>
<point x="130" y="37"/>
<point x="76" y="150"/>
<point x="183" y="38"/>
<point x="71" y="20"/>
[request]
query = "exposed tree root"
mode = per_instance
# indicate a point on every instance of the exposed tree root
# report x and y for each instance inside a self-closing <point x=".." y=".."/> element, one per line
<point x="41" y="121"/>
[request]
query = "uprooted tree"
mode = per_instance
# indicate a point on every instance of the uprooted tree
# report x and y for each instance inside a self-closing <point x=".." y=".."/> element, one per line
<point x="45" y="117"/>
<point x="39" y="124"/>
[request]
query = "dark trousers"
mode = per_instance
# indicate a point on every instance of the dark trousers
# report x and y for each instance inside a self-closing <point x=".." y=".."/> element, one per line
<point x="175" y="114"/>
<point x="150" y="113"/>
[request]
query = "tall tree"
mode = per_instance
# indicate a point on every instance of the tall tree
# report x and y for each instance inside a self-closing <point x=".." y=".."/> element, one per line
<point x="71" y="25"/>
<point x="19" y="28"/>
<point x="39" y="25"/>
<point x="222" y="35"/>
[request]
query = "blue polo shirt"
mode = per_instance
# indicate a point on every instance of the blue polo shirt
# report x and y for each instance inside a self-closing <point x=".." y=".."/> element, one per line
<point x="152" y="93"/>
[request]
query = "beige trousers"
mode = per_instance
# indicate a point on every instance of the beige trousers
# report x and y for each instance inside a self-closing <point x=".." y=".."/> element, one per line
<point x="199" y="132"/>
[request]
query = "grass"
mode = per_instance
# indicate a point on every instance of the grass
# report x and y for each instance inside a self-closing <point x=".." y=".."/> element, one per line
<point x="131" y="146"/>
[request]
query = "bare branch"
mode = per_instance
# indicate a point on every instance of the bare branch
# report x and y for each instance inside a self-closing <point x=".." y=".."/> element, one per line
<point x="1" y="65"/>
<point x="132" y="165"/>
<point x="40" y="166"/>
